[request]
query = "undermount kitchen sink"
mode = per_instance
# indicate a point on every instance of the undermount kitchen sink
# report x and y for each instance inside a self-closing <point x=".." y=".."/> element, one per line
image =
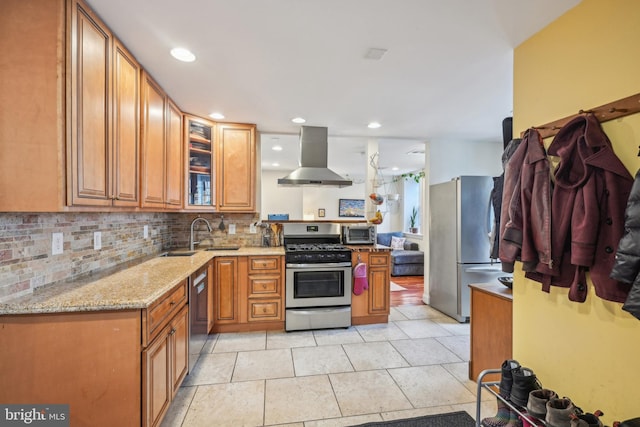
<point x="223" y="248"/>
<point x="169" y="254"/>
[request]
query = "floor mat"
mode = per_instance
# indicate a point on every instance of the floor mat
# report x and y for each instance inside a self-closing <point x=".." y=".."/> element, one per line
<point x="457" y="419"/>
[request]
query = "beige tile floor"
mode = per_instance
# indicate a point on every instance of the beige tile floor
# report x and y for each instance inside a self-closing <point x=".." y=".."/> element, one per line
<point x="414" y="365"/>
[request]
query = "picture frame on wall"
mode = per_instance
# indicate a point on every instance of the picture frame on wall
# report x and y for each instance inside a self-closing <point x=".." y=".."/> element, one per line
<point x="351" y="208"/>
<point x="321" y="213"/>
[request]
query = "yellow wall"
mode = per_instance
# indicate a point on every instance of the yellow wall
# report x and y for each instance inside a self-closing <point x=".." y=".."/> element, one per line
<point x="589" y="352"/>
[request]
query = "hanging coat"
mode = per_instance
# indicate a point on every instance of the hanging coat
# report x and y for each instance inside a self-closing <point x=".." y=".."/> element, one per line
<point x="591" y="189"/>
<point x="627" y="262"/>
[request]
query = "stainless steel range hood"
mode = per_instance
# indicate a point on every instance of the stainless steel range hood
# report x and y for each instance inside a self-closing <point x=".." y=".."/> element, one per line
<point x="313" y="168"/>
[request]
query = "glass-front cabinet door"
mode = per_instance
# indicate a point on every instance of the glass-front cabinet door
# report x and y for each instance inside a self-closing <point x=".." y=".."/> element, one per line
<point x="200" y="182"/>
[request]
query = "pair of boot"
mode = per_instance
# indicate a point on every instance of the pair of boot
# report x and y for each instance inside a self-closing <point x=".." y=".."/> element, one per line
<point x="517" y="382"/>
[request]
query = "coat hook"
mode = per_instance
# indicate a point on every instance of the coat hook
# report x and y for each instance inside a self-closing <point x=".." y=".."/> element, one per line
<point x="619" y="110"/>
<point x="585" y="112"/>
<point x="638" y="150"/>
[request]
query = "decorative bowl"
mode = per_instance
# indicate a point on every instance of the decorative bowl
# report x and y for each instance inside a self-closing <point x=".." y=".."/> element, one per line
<point x="507" y="281"/>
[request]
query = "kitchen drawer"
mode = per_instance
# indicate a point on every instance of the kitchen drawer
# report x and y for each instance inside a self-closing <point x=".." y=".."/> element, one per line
<point x="378" y="259"/>
<point x="264" y="264"/>
<point x="162" y="310"/>
<point x="262" y="286"/>
<point x="265" y="309"/>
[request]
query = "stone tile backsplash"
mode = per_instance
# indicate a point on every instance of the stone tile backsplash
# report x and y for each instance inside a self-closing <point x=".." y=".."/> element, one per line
<point x="26" y="261"/>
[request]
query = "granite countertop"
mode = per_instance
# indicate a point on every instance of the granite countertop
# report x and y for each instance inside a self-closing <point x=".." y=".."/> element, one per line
<point x="132" y="287"/>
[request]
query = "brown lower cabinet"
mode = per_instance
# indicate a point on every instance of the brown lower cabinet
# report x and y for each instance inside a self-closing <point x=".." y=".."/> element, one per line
<point x="248" y="293"/>
<point x="165" y="364"/>
<point x="491" y="328"/>
<point x="373" y="305"/>
<point x="113" y="368"/>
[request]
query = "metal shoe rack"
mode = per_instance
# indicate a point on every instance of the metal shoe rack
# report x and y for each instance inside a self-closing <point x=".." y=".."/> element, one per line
<point x="487" y="385"/>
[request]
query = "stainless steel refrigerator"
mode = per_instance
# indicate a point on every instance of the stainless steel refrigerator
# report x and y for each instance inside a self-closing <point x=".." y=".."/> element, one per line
<point x="460" y="222"/>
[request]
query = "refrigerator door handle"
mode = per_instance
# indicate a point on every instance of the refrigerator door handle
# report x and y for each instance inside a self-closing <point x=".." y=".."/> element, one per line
<point x="483" y="270"/>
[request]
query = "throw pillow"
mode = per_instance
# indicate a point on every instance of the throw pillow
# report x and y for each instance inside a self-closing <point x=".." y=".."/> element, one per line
<point x="397" y="243"/>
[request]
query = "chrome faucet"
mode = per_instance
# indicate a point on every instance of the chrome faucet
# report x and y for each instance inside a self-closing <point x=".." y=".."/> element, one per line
<point x="192" y="244"/>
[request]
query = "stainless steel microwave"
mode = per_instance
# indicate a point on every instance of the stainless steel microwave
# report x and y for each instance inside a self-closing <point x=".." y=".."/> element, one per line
<point x="359" y="234"/>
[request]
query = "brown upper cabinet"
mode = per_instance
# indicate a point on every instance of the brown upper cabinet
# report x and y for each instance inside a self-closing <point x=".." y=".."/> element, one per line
<point x="161" y="148"/>
<point x="32" y="91"/>
<point x="236" y="167"/>
<point x="85" y="128"/>
<point x="104" y="122"/>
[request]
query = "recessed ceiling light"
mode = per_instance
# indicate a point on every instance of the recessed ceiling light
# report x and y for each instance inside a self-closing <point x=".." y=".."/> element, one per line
<point x="277" y="148"/>
<point x="298" y="120"/>
<point x="395" y="168"/>
<point x="374" y="125"/>
<point x="216" y="116"/>
<point x="275" y="165"/>
<point x="182" y="54"/>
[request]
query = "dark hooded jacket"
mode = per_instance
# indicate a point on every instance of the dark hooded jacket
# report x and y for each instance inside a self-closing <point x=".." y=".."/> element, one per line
<point x="590" y="194"/>
<point x="496" y="197"/>
<point x="627" y="262"/>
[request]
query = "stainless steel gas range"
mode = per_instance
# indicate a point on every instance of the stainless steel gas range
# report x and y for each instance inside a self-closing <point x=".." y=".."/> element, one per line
<point x="317" y="277"/>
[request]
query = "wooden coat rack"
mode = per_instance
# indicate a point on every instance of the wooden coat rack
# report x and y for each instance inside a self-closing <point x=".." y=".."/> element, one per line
<point x="613" y="110"/>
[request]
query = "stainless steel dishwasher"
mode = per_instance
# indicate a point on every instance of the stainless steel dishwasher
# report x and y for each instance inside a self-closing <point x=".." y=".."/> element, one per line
<point x="198" y="299"/>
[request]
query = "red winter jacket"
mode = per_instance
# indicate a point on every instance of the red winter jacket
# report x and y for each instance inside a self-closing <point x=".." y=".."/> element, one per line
<point x="587" y="210"/>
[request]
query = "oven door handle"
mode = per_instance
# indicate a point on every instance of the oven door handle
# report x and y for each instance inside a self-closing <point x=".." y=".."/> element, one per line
<point x="323" y="265"/>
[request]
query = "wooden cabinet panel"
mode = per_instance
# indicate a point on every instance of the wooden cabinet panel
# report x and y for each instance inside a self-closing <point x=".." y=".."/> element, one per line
<point x="265" y="309"/>
<point x="379" y="290"/>
<point x="90" y="109"/>
<point x="162" y="311"/>
<point x="373" y="305"/>
<point x="236" y="167"/>
<point x="126" y="127"/>
<point x="174" y="159"/>
<point x="165" y="364"/>
<point x="104" y="122"/>
<point x="32" y="91"/>
<point x="152" y="141"/>
<point x="157" y="388"/>
<point x="264" y="286"/>
<point x="90" y="360"/>
<point x="179" y="349"/>
<point x="491" y="328"/>
<point x="264" y="264"/>
<point x="226" y="292"/>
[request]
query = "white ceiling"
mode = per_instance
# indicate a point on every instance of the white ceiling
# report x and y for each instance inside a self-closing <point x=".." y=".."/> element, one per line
<point x="446" y="77"/>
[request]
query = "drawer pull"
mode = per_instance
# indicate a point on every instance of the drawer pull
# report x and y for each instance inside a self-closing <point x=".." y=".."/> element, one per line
<point x="264" y="286"/>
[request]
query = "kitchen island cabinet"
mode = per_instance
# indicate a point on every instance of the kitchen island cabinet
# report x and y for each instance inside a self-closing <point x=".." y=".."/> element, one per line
<point x="373" y="305"/>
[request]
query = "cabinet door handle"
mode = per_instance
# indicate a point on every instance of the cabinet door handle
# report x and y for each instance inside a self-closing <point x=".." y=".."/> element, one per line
<point x="173" y="331"/>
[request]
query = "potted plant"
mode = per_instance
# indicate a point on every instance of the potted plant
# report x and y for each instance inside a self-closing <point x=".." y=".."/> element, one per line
<point x="413" y="218"/>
